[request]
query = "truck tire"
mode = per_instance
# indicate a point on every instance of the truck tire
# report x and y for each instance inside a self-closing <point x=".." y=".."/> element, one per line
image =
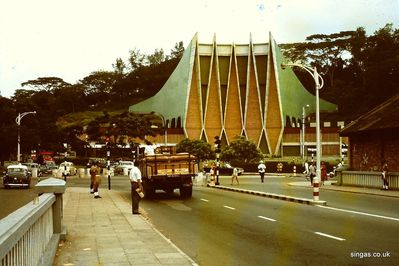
<point x="169" y="190"/>
<point x="186" y="192"/>
<point x="149" y="192"/>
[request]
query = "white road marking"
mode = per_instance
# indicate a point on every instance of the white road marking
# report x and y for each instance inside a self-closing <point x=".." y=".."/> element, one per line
<point x="228" y="207"/>
<point x="360" y="213"/>
<point x="330" y="236"/>
<point x="205" y="200"/>
<point x="266" y="218"/>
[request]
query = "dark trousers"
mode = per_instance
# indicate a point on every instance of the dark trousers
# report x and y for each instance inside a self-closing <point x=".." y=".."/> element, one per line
<point x="262" y="176"/>
<point x="135" y="197"/>
<point x="385" y="182"/>
<point x="311" y="178"/>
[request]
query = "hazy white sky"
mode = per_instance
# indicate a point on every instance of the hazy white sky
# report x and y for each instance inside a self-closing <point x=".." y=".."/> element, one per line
<point x="72" y="38"/>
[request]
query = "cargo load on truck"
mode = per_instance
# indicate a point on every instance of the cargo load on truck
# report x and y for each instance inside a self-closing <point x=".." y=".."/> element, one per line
<point x="168" y="172"/>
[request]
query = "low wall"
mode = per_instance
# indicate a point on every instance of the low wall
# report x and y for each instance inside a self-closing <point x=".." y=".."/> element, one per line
<point x="30" y="235"/>
<point x="366" y="179"/>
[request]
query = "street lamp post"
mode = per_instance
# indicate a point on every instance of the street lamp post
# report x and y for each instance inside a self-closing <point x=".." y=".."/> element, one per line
<point x="319" y="82"/>
<point x="18" y="121"/>
<point x="303" y="133"/>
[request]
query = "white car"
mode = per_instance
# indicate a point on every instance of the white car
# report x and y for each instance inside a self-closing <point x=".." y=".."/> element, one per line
<point x="70" y="168"/>
<point x="119" y="169"/>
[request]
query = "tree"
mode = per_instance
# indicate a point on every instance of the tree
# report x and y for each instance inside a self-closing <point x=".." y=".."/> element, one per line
<point x="119" y="66"/>
<point x="201" y="149"/>
<point x="98" y="86"/>
<point x="136" y="59"/>
<point x="177" y="51"/>
<point x="241" y="151"/>
<point x="8" y="140"/>
<point x="123" y="126"/>
<point x="46" y="83"/>
<point x="157" y="57"/>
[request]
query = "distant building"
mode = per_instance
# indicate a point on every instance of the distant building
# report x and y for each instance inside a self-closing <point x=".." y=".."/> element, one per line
<point x="374" y="137"/>
<point x="231" y="90"/>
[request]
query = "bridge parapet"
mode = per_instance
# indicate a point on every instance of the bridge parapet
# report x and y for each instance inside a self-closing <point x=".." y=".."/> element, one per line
<point x="367" y="179"/>
<point x="30" y="235"/>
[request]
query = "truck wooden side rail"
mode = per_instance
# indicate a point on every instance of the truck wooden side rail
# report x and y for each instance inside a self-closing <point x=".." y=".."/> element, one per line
<point x="168" y="172"/>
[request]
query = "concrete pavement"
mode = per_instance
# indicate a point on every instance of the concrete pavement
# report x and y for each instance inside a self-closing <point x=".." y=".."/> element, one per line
<point x="104" y="232"/>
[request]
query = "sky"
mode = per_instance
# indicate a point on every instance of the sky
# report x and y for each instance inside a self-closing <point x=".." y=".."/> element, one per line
<point x="70" y="39"/>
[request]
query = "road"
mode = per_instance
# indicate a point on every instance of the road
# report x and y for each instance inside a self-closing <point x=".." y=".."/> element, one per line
<point x="227" y="228"/>
<point x="12" y="199"/>
<point x="217" y="227"/>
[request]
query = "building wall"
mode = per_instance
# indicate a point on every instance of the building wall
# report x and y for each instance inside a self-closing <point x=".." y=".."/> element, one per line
<point x="368" y="150"/>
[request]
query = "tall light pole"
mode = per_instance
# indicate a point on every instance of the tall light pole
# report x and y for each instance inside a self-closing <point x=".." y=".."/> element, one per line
<point x="319" y="82"/>
<point x="303" y="133"/>
<point x="18" y="121"/>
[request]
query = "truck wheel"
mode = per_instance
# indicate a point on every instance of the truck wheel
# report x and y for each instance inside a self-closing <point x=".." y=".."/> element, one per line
<point x="169" y="190"/>
<point x="149" y="192"/>
<point x="186" y="192"/>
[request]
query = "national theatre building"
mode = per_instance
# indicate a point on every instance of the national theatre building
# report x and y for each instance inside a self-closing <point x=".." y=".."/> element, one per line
<point x="231" y="90"/>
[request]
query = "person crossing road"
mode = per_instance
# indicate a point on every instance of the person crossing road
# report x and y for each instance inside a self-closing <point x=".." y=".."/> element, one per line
<point x="262" y="170"/>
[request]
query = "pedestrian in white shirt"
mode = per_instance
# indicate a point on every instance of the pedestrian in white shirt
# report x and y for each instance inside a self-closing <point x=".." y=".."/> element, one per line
<point x="137" y="188"/>
<point x="262" y="170"/>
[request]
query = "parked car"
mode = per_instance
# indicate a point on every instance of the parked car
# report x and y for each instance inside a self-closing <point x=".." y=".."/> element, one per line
<point x="70" y="168"/>
<point x="32" y="166"/>
<point x="48" y="167"/>
<point x="119" y="169"/>
<point x="17" y="176"/>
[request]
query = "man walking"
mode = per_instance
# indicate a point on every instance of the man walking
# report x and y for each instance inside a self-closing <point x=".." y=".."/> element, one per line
<point x="95" y="180"/>
<point x="234" y="176"/>
<point x="312" y="172"/>
<point x="137" y="188"/>
<point x="262" y="170"/>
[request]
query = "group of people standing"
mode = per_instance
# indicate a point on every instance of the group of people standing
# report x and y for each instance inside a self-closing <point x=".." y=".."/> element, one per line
<point x="135" y="181"/>
<point x="310" y="171"/>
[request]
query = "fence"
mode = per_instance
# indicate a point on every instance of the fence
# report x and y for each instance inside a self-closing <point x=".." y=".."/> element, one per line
<point x="366" y="179"/>
<point x="30" y="235"/>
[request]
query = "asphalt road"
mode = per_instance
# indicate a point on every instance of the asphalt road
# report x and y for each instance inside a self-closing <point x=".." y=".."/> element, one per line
<point x="227" y="228"/>
<point x="14" y="198"/>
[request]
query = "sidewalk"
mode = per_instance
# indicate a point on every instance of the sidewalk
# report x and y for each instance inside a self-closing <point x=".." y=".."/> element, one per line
<point x="104" y="232"/>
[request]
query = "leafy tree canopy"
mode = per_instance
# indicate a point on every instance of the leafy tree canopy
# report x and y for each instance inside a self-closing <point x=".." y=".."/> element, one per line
<point x="201" y="149"/>
<point x="241" y="151"/>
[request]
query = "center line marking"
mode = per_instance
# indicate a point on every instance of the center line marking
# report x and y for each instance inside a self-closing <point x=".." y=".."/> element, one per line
<point x="205" y="200"/>
<point x="228" y="207"/>
<point x="266" y="218"/>
<point x="360" y="213"/>
<point x="330" y="236"/>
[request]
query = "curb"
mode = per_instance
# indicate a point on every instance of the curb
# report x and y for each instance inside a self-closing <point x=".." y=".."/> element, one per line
<point x="274" y="196"/>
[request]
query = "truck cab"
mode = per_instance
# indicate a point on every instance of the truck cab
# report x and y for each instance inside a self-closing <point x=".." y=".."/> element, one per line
<point x="168" y="172"/>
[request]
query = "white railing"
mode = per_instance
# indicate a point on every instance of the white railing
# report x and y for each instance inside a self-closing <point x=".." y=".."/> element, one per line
<point x="30" y="235"/>
<point x="367" y="179"/>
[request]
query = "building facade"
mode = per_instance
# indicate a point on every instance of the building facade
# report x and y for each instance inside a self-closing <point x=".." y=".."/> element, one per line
<point x="374" y="138"/>
<point x="230" y="90"/>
